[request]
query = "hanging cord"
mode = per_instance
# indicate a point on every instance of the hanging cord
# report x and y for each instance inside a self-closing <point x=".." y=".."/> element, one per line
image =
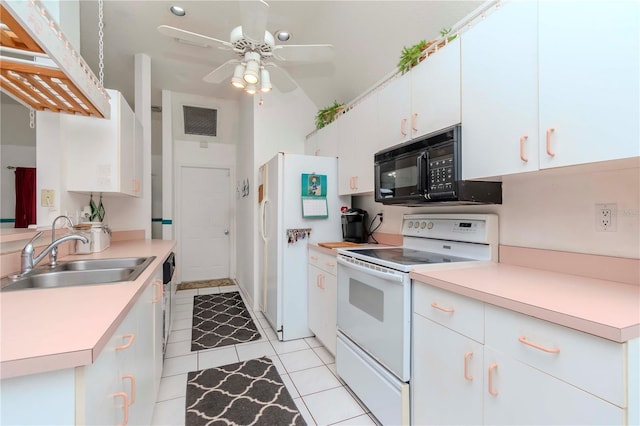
<point x="101" y="41"/>
<point x="32" y="118"/>
<point x="371" y="231"/>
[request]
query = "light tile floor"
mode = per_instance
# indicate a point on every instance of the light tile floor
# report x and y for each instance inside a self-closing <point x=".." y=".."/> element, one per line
<point x="306" y="367"/>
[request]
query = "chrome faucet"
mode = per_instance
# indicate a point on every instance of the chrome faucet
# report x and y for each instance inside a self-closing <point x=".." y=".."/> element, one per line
<point x="28" y="261"/>
<point x="53" y="256"/>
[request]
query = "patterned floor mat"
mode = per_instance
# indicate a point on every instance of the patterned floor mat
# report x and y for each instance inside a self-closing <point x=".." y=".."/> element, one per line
<point x="245" y="393"/>
<point x="218" y="282"/>
<point x="220" y="320"/>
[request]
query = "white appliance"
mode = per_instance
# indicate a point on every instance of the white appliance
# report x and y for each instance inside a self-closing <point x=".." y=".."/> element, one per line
<point x="283" y="252"/>
<point x="374" y="303"/>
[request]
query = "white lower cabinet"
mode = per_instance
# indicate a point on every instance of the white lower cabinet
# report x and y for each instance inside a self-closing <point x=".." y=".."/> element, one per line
<point x="322" y="298"/>
<point x="447" y="376"/>
<point x="119" y="388"/>
<point x="525" y="395"/>
<point x="521" y="370"/>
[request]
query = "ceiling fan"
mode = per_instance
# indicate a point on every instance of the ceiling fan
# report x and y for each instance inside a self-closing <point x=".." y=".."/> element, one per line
<point x="256" y="51"/>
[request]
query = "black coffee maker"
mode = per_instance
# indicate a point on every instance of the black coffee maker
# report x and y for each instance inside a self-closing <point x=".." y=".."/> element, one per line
<point x="354" y="226"/>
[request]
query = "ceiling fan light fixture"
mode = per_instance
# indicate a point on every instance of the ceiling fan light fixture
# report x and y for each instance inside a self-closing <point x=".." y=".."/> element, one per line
<point x="265" y="81"/>
<point x="237" y="79"/>
<point x="251" y="74"/>
<point x="177" y="10"/>
<point x="251" y="89"/>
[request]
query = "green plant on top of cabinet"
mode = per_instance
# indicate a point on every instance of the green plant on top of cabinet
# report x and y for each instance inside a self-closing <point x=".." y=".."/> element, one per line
<point x="328" y="115"/>
<point x="560" y="90"/>
<point x="104" y="155"/>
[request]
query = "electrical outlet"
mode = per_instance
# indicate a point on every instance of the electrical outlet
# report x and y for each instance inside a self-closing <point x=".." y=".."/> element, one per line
<point x="606" y="217"/>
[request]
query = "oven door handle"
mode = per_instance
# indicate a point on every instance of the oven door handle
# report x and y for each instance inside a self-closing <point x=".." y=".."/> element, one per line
<point x="384" y="275"/>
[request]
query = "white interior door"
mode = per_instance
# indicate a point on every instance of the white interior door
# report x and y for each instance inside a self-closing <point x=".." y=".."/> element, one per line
<point x="204" y="223"/>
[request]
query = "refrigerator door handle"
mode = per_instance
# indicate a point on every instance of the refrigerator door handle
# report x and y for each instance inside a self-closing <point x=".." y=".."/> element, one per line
<point x="263" y="212"/>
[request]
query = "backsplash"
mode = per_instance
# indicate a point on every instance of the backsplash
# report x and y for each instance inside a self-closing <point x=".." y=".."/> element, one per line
<point x="552" y="209"/>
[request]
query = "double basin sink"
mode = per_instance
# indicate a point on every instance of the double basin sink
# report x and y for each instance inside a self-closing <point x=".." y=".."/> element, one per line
<point x="79" y="272"/>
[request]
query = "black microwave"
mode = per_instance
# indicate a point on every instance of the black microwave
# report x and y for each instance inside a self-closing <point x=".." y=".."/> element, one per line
<point x="428" y="170"/>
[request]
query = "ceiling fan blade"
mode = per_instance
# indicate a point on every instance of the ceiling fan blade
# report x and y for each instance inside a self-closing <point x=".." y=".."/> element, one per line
<point x="304" y="53"/>
<point x="281" y="78"/>
<point x="254" y="15"/>
<point x="222" y="72"/>
<point x="193" y="38"/>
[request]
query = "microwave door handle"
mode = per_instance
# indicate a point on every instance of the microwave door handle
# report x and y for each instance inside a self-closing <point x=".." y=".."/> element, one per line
<point x="422" y="160"/>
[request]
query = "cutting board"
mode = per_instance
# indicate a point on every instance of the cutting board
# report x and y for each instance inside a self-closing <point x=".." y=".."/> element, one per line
<point x="339" y="244"/>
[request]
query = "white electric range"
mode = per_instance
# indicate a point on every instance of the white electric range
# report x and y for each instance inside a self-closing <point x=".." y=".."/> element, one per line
<point x="374" y="303"/>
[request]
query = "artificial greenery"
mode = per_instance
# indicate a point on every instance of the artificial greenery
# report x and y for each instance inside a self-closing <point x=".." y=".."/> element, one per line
<point x="328" y="114"/>
<point x="410" y="56"/>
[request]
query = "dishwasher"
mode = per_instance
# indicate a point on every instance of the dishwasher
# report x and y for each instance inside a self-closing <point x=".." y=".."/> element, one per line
<point x="168" y="279"/>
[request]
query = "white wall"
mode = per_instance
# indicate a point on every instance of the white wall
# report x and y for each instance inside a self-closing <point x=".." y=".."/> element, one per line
<point x="156" y="195"/>
<point x="553" y="210"/>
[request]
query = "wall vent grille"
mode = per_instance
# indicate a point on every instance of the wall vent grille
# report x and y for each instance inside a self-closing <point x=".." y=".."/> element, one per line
<point x="200" y="121"/>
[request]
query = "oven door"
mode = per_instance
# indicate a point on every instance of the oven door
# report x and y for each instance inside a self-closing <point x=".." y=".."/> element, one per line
<point x="374" y="306"/>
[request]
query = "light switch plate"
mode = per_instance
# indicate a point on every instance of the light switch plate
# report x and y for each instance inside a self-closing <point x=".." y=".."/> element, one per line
<point x="47" y="198"/>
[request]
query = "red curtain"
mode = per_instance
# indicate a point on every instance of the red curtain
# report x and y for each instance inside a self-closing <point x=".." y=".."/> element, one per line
<point x="25" y="196"/>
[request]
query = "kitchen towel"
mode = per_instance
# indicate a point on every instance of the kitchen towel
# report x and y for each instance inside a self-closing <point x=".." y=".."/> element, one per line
<point x="244" y="393"/>
<point x="219" y="320"/>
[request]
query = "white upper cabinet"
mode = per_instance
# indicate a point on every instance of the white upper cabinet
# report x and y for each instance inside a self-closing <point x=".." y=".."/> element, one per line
<point x="500" y="92"/>
<point x="435" y="91"/>
<point x="589" y="81"/>
<point x="550" y="84"/>
<point x="104" y="155"/>
<point x="358" y="141"/>
<point x="394" y="111"/>
<point x="422" y="101"/>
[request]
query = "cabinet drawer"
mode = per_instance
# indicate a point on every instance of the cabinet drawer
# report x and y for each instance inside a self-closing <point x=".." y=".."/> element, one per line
<point x="324" y="261"/>
<point x="459" y="313"/>
<point x="588" y="362"/>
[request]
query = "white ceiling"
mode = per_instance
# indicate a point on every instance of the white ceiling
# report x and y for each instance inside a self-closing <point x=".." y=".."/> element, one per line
<point x="367" y="36"/>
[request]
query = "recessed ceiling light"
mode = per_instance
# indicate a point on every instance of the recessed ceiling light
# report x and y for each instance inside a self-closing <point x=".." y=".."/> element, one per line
<point x="177" y="10"/>
<point x="283" y="35"/>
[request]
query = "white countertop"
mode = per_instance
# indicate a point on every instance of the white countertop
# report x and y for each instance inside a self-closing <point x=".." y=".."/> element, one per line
<point x="51" y="329"/>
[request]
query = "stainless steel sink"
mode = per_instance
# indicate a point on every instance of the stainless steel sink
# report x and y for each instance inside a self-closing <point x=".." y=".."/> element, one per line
<point x="79" y="273"/>
<point x="91" y="264"/>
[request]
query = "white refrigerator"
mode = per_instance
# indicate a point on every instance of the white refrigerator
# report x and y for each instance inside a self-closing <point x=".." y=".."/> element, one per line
<point x="283" y="250"/>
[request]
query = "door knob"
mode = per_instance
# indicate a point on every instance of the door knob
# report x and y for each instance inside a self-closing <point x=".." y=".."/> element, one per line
<point x="226" y="232"/>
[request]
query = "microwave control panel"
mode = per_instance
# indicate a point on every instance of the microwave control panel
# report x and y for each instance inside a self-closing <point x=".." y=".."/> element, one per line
<point x="441" y="175"/>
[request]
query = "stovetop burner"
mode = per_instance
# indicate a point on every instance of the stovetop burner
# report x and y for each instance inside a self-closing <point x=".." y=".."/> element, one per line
<point x="405" y="256"/>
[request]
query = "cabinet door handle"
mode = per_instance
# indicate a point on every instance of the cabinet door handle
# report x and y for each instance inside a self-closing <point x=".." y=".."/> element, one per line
<point x="448" y="310"/>
<point x="466" y="366"/>
<point x="413" y="121"/>
<point x="403" y="124"/>
<point x="314" y="258"/>
<point x="329" y="264"/>
<point x="131" y="337"/>
<point x="492" y="367"/>
<point x="549" y="131"/>
<point x="158" y="284"/>
<point x="320" y="281"/>
<point x="125" y="407"/>
<point x="132" y="386"/>
<point x="523" y="139"/>
<point x="355" y="182"/>
<point x="317" y="152"/>
<point x="524" y="340"/>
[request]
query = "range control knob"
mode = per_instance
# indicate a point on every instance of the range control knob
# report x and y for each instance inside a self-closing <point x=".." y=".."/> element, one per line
<point x="423" y="225"/>
<point x="430" y="225"/>
<point x="410" y="224"/>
